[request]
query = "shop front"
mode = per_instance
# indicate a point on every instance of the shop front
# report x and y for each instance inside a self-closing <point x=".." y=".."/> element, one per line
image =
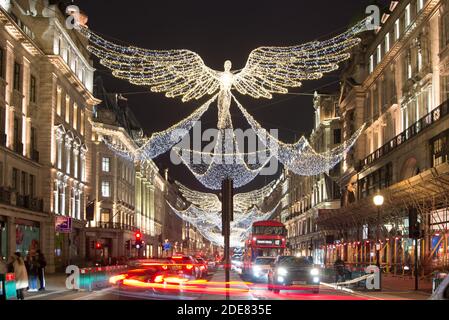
<point x="28" y="235"/>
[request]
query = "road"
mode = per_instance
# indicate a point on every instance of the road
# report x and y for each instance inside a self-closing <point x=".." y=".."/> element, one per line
<point x="210" y="290"/>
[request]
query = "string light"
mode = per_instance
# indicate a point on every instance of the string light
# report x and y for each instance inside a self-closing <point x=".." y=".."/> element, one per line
<point x="242" y="201"/>
<point x="269" y="70"/>
<point x="209" y="223"/>
<point x="183" y="72"/>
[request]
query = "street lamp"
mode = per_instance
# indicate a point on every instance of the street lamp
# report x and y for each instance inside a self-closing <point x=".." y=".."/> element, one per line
<point x="378" y="202"/>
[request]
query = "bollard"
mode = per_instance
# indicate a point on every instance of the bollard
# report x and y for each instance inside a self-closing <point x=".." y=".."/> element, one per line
<point x="8" y="286"/>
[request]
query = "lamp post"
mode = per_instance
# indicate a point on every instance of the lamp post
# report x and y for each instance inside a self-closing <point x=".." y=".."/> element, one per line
<point x="378" y="202"/>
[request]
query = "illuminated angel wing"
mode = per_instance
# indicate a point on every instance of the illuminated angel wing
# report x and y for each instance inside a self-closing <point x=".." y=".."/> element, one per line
<point x="274" y="69"/>
<point x="244" y="201"/>
<point x="175" y="72"/>
<point x="204" y="201"/>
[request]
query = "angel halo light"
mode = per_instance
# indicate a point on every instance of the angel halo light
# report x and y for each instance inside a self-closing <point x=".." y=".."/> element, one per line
<point x="268" y="71"/>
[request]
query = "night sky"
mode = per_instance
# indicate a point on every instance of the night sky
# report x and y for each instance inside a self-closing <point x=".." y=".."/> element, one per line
<point x="217" y="31"/>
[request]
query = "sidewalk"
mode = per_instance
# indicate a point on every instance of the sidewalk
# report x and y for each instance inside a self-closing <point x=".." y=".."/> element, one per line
<point x="54" y="285"/>
<point x="238" y="290"/>
<point x="400" y="288"/>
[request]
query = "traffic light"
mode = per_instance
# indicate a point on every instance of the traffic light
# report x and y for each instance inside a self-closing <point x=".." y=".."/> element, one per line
<point x="98" y="245"/>
<point x="414" y="225"/>
<point x="138" y="235"/>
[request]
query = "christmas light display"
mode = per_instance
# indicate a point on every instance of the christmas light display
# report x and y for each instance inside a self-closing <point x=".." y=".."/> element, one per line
<point x="269" y="70"/>
<point x="242" y="201"/>
<point x="208" y="223"/>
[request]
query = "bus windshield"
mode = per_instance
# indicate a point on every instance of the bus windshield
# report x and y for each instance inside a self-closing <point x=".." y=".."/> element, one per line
<point x="268" y="230"/>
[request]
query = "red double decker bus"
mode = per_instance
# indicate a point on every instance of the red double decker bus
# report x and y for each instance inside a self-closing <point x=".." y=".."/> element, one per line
<point x="267" y="239"/>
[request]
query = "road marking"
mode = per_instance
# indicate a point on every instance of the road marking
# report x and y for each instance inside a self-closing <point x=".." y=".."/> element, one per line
<point x="46" y="294"/>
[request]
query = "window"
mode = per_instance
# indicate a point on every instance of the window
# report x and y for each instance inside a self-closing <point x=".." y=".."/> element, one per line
<point x="105" y="215"/>
<point x="337" y="136"/>
<point x="17" y="136"/>
<point x="440" y="149"/>
<point x="106" y="164"/>
<point x="33" y="89"/>
<point x="58" y="101"/>
<point x="106" y="189"/>
<point x="17" y="76"/>
<point x="387" y="42"/>
<point x="75" y="164"/>
<point x="15" y="179"/>
<point x="23" y="183"/>
<point x="408" y="17"/>
<point x="420" y="5"/>
<point x="379" y="53"/>
<point x="371" y="64"/>
<point x="67" y="109"/>
<point x="33" y="139"/>
<point x="397" y="30"/>
<point x="75" y="116"/>
<point x="32" y="186"/>
<point x="82" y="122"/>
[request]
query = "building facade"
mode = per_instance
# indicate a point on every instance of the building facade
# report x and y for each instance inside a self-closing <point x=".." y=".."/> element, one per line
<point x="396" y="83"/>
<point x="46" y="102"/>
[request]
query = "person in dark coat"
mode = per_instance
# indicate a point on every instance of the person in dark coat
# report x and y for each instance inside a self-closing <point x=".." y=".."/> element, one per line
<point x="339" y="269"/>
<point x="33" y="273"/>
<point x="41" y="264"/>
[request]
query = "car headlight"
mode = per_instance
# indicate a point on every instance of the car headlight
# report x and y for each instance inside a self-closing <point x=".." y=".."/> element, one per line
<point x="282" y="271"/>
<point x="256" y="269"/>
<point x="314" y="272"/>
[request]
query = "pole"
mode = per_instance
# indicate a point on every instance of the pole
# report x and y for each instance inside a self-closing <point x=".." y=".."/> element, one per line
<point x="416" y="265"/>
<point x="378" y="239"/>
<point x="227" y="217"/>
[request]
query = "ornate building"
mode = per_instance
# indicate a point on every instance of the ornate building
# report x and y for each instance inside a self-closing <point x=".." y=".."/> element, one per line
<point x="396" y="83"/>
<point x="46" y="104"/>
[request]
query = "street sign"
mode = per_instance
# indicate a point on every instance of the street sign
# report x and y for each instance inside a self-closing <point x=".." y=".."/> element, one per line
<point x="63" y="224"/>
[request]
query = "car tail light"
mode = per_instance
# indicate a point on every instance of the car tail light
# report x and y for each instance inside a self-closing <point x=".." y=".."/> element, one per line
<point x="189" y="267"/>
<point x="164" y="267"/>
<point x="202" y="267"/>
<point x="159" y="279"/>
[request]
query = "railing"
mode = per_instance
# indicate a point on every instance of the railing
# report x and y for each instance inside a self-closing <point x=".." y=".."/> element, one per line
<point x="431" y="118"/>
<point x="115" y="225"/>
<point x="11" y="198"/>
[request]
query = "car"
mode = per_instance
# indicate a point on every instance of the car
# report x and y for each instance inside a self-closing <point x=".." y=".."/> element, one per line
<point x="147" y="275"/>
<point x="261" y="267"/>
<point x="292" y="271"/>
<point x="187" y="266"/>
<point x="203" y="267"/>
<point x="442" y="292"/>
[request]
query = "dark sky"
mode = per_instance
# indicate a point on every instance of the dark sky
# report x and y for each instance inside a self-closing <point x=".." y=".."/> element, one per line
<point x="217" y="31"/>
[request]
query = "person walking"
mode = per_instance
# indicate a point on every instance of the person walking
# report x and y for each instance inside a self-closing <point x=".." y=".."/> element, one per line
<point x="41" y="264"/>
<point x="339" y="269"/>
<point x="21" y="275"/>
<point x="33" y="273"/>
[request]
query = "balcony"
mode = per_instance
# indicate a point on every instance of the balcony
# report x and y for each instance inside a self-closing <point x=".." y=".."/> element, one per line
<point x="12" y="198"/>
<point x="427" y="121"/>
<point x="115" y="226"/>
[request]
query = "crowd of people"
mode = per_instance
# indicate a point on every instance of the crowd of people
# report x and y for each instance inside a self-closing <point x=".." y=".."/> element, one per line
<point x="27" y="272"/>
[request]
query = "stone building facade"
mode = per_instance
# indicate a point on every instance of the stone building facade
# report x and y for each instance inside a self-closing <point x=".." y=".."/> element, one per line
<point x="47" y="102"/>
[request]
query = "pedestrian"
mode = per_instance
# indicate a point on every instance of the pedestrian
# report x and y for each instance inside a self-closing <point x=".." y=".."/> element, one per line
<point x="339" y="269"/>
<point x="41" y="264"/>
<point x="3" y="266"/>
<point x="33" y="274"/>
<point x="21" y="275"/>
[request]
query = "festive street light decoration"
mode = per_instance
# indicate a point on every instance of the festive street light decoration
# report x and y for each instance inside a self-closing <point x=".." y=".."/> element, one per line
<point x="268" y="71"/>
<point x="242" y="201"/>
